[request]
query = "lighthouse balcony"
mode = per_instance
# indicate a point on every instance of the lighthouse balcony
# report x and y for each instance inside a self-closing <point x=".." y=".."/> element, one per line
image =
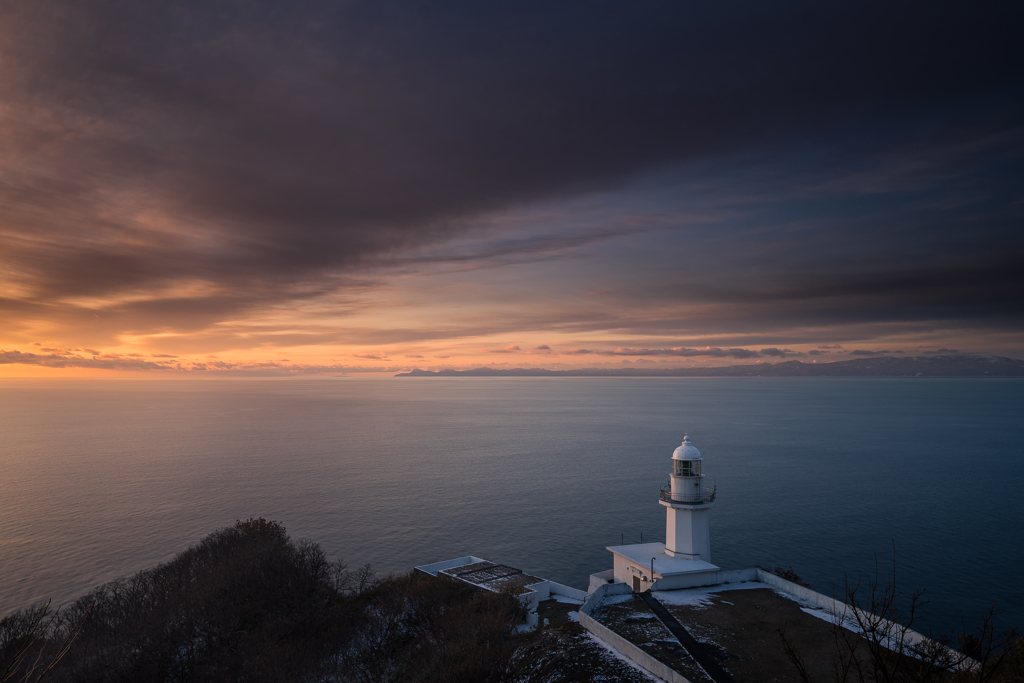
<point x="706" y="496"/>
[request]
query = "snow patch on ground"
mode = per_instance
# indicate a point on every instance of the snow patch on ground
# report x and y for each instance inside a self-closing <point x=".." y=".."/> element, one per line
<point x="566" y="599"/>
<point x="821" y="614"/>
<point x="701" y="597"/>
<point x="894" y="639"/>
<point x="615" y="653"/>
<point x="574" y="616"/>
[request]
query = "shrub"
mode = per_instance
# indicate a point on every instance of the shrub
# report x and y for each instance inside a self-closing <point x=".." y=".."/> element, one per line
<point x="249" y="604"/>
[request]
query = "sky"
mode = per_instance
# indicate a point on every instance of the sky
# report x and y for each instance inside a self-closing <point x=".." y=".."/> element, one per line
<point x="326" y="188"/>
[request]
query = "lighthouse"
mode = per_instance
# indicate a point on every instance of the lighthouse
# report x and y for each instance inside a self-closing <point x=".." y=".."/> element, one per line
<point x="687" y="504"/>
<point x="684" y="559"/>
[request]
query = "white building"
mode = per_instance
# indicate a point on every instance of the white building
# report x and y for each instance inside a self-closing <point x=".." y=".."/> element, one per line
<point x="684" y="559"/>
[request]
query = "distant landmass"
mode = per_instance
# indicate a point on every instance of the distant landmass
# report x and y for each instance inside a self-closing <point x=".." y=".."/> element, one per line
<point x="881" y="366"/>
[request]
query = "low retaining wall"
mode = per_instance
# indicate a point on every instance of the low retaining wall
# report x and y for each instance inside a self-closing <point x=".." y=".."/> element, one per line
<point x="675" y="582"/>
<point x="617" y="642"/>
<point x="840" y="609"/>
<point x="631" y="651"/>
<point x="737" y="575"/>
<point x="568" y="591"/>
<point x="801" y="593"/>
<point x="913" y="639"/>
<point x="601" y="578"/>
<point x="595" y="598"/>
<point x="543" y="590"/>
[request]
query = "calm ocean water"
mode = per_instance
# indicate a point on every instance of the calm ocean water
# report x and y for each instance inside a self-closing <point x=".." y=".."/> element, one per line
<point x="102" y="478"/>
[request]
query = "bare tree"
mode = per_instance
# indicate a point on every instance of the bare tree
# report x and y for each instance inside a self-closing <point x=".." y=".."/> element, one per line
<point x="36" y="636"/>
<point x="875" y="641"/>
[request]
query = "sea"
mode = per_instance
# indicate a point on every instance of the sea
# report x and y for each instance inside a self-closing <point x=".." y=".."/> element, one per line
<point x="841" y="480"/>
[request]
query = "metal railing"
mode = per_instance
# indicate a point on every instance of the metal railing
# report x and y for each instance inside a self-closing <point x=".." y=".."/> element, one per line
<point x="706" y="496"/>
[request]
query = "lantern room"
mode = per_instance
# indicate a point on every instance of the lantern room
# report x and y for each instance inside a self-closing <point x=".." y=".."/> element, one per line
<point x="687" y="482"/>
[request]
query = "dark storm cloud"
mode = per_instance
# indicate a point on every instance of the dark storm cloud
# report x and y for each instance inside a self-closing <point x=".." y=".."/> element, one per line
<point x="779" y="353"/>
<point x="247" y="143"/>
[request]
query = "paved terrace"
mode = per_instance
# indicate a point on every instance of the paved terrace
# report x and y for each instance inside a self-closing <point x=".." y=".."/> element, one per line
<point x="740" y="628"/>
<point x="736" y="625"/>
<point x="629" y="617"/>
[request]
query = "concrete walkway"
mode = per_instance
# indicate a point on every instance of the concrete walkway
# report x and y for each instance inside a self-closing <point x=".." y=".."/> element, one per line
<point x="696" y="650"/>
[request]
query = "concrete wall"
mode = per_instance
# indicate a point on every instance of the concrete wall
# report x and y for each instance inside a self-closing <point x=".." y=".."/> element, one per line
<point x="531" y="597"/>
<point x="545" y="589"/>
<point x="913" y="639"/>
<point x="568" y="591"/>
<point x="631" y="651"/>
<point x="736" y="576"/>
<point x="669" y="583"/>
<point x="828" y="604"/>
<point x="595" y="598"/>
<point x="542" y="589"/>
<point x="840" y="609"/>
<point x="601" y="578"/>
<point x="617" y="642"/>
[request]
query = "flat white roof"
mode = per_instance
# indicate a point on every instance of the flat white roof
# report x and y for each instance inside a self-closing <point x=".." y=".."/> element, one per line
<point x="435" y="567"/>
<point x="641" y="553"/>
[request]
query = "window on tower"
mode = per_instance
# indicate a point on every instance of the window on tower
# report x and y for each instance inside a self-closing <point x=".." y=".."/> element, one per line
<point x="686" y="468"/>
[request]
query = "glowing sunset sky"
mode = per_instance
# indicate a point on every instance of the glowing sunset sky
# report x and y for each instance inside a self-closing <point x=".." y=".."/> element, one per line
<point x="340" y="187"/>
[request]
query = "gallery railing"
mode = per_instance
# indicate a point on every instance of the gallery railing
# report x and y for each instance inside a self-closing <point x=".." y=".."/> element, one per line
<point x="707" y="496"/>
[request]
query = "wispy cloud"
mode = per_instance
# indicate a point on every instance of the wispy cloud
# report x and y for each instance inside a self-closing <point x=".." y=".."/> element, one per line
<point x="511" y="348"/>
<point x="229" y="180"/>
<point x="681" y="352"/>
<point x="74" y="361"/>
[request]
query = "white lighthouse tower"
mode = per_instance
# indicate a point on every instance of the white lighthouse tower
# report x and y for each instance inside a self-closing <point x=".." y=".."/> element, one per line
<point x="687" y="530"/>
<point x="684" y="559"/>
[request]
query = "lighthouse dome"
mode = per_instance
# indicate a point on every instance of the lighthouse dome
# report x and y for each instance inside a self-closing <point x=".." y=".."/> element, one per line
<point x="687" y="451"/>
